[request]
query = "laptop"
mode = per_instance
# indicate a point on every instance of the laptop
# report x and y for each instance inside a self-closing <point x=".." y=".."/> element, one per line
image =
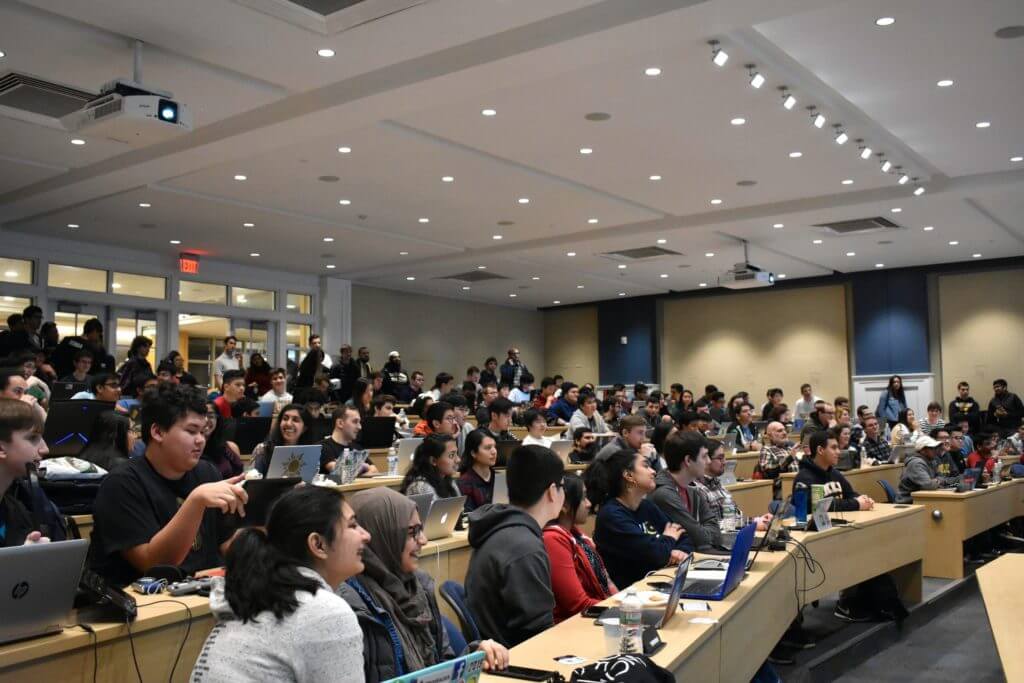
<point x="37" y="587"/>
<point x="443" y="515"/>
<point x="729" y="442"/>
<point x="728" y="476"/>
<point x="69" y="425"/>
<point x="656" y="617"/>
<point x="267" y="408"/>
<point x="423" y="501"/>
<point x="406" y="449"/>
<point x="821" y="507"/>
<point x="716" y="589"/>
<point x="63" y="391"/>
<point x="377" y="432"/>
<point x="295" y="461"/>
<point x="346" y="473"/>
<point x="505" y="451"/>
<point x="249" y="432"/>
<point x="459" y="670"/>
<point x="723" y="428"/>
<point x="846" y="460"/>
<point x="263" y="493"/>
<point x="967" y="474"/>
<point x="900" y="453"/>
<point x="500" y="494"/>
<point x="562" y="448"/>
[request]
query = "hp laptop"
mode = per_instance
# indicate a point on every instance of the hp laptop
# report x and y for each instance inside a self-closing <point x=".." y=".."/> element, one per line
<point x="377" y="432"/>
<point x="713" y="589"/>
<point x="443" y="515"/>
<point x="69" y="425"/>
<point x="423" y="501"/>
<point x="505" y="451"/>
<point x="295" y="461"/>
<point x="459" y="670"/>
<point x="63" y="391"/>
<point x="562" y="448"/>
<point x="406" y="449"/>
<point x="37" y="587"/>
<point x="500" y="494"/>
<point x="660" y="618"/>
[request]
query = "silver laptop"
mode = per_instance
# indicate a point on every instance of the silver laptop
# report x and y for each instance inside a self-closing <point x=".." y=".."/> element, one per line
<point x="37" y="587"/>
<point x="729" y="441"/>
<point x="443" y="516"/>
<point x="562" y="448"/>
<point x="900" y="453"/>
<point x="723" y="428"/>
<point x="295" y="461"/>
<point x="500" y="487"/>
<point x="728" y="476"/>
<point x="422" y="501"/>
<point x="406" y="449"/>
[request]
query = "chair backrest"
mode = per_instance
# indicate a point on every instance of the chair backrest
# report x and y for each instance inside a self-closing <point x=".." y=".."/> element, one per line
<point x="890" y="492"/>
<point x="455" y="637"/>
<point x="455" y="595"/>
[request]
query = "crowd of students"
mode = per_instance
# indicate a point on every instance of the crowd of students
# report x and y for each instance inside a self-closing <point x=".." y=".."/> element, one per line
<point x="331" y="587"/>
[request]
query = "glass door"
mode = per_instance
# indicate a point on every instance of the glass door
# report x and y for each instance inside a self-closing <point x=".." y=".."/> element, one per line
<point x="200" y="341"/>
<point x="255" y="336"/>
<point x="129" y="324"/>
<point x="70" y="317"/>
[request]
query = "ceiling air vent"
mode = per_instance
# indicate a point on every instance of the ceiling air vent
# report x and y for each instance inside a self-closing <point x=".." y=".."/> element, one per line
<point x="27" y="93"/>
<point x="641" y="253"/>
<point x="473" y="276"/>
<point x="858" y="225"/>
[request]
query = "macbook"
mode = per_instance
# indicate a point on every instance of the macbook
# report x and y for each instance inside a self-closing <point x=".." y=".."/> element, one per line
<point x="718" y="589"/>
<point x="443" y="515"/>
<point x="500" y="487"/>
<point x="295" y="461"/>
<point x="37" y="587"/>
<point x="729" y="441"/>
<point x="422" y="501"/>
<point x="562" y="448"/>
<point x="406" y="449"/>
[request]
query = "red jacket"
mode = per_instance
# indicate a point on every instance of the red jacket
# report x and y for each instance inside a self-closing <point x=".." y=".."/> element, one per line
<point x="573" y="580"/>
<point x="422" y="429"/>
<point x="974" y="460"/>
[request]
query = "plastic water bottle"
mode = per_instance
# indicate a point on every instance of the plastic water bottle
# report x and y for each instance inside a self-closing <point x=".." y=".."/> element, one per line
<point x="392" y="462"/>
<point x="402" y="419"/>
<point x="728" y="522"/>
<point x="863" y="457"/>
<point x="344" y="465"/>
<point x="631" y="624"/>
<point x="995" y="471"/>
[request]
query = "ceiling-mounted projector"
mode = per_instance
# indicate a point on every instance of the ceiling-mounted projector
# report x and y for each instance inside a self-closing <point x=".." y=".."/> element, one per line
<point x="745" y="275"/>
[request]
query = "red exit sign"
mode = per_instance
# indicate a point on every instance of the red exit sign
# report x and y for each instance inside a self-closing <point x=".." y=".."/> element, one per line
<point x="189" y="264"/>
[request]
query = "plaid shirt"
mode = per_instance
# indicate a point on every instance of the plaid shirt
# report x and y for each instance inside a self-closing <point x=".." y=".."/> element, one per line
<point x="877" y="450"/>
<point x="713" y="490"/>
<point x="769" y="465"/>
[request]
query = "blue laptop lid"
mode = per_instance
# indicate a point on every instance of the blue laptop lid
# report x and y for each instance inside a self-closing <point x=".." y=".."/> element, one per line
<point x="738" y="559"/>
<point x="459" y="670"/>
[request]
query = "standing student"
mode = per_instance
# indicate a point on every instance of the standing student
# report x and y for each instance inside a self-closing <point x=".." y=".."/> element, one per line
<point x="535" y="426"/>
<point x="1005" y="410"/>
<point x="278" y="617"/>
<point x="433" y="468"/>
<point x="579" y="578"/>
<point x="508" y="585"/>
<point x="476" y="469"/>
<point x="513" y="369"/>
<point x="677" y="495"/>
<point x="230" y="358"/>
<point x="633" y="536"/>
<point x="489" y="375"/>
<point x="393" y="598"/>
<point x="168" y="507"/>
<point x="293" y="427"/>
<point x="137" y="363"/>
<point x="892" y="401"/>
<point x="21" y="444"/>
<point x="964" y="407"/>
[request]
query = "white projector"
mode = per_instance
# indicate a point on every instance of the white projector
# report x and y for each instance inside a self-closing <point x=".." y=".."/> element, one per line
<point x="129" y="114"/>
<point x="746" y="276"/>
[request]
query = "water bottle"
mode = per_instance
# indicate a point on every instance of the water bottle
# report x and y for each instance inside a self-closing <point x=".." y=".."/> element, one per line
<point x="392" y="462"/>
<point x="344" y="464"/>
<point x="995" y="471"/>
<point x="631" y="624"/>
<point x="728" y="522"/>
<point x="402" y="419"/>
<point x="863" y="457"/>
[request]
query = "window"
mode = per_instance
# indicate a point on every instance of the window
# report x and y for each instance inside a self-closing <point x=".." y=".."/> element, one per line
<point x="11" y="304"/>
<point x="298" y="344"/>
<point x="200" y="341"/>
<point x="73" y="277"/>
<point x="138" y="285"/>
<point x="299" y="303"/>
<point x="16" y="271"/>
<point x="202" y="293"/>
<point x="252" y="298"/>
<point x="127" y="329"/>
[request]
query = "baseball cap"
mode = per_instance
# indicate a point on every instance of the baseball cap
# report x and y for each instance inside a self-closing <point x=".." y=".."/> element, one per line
<point x="926" y="442"/>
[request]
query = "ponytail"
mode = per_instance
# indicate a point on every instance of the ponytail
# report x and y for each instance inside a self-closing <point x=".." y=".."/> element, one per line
<point x="604" y="478"/>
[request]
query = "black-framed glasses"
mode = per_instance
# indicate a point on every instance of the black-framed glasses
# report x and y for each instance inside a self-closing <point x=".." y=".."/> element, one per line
<point x="415" y="530"/>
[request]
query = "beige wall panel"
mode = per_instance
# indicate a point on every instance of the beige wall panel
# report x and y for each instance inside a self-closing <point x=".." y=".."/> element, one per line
<point x="570" y="343"/>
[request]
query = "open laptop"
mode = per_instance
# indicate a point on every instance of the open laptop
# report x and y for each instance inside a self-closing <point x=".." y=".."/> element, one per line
<point x="69" y="425"/>
<point x="267" y="408"/>
<point x="728" y="475"/>
<point x="465" y="669"/>
<point x="729" y="442"/>
<point x="295" y="461"/>
<point x="846" y="460"/>
<point x="377" y="432"/>
<point x="423" y="501"/>
<point x="406" y="449"/>
<point x="718" y="589"/>
<point x="900" y="453"/>
<point x="263" y="493"/>
<point x="250" y="431"/>
<point x="443" y="516"/>
<point x="37" y="587"/>
<point x="63" y="391"/>
<point x="820" y="507"/>
<point x="659" y="618"/>
<point x="500" y="494"/>
<point x="562" y="448"/>
<point x="505" y="451"/>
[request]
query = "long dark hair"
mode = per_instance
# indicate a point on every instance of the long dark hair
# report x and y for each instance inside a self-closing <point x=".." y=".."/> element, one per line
<point x="899" y="395"/>
<point x="604" y="478"/>
<point x="263" y="567"/>
<point x="661" y="432"/>
<point x="277" y="439"/>
<point x="433" y="446"/>
<point x="108" y="441"/>
<point x="474" y="440"/>
<point x="360" y="388"/>
<point x="216" y="442"/>
<point x="573" y="487"/>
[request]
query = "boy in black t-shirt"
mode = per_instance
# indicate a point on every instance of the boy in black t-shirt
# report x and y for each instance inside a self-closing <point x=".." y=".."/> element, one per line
<point x="26" y="514"/>
<point x="167" y="507"/>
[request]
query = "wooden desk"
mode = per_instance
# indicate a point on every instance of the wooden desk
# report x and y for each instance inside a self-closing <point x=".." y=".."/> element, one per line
<point x="552" y="431"/>
<point x="447" y="558"/>
<point x="157" y="633"/>
<point x="753" y="497"/>
<point x="999" y="582"/>
<point x="963" y="515"/>
<point x="863" y="480"/>
<point x="745" y="463"/>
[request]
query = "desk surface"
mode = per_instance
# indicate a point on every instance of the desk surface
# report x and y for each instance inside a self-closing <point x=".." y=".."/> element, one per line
<point x="999" y="582"/>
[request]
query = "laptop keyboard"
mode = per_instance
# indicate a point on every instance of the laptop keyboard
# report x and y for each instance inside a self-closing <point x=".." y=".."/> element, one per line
<point x="701" y="586"/>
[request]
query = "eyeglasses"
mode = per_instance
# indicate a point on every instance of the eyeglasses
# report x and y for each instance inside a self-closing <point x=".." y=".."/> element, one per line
<point x="112" y="385"/>
<point x="415" y="530"/>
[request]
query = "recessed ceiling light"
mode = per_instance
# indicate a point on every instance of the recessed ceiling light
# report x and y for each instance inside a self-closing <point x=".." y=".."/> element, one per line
<point x="465" y="288"/>
<point x="738" y="121"/>
<point x="928" y="228"/>
<point x="703" y="284"/>
<point x="488" y="112"/>
<point x="410" y="278"/>
<point x="781" y="276"/>
<point x="904" y="179"/>
<point x="622" y="266"/>
<point x="497" y="237"/>
<point x="654" y="177"/>
<point x="344" y="202"/>
<point x="424" y="220"/>
<point x="447" y="179"/>
<point x="953" y="243"/>
<point x="975" y="255"/>
<point x="652" y="71"/>
<point x="778" y="225"/>
<point x="879" y="265"/>
<point x="556" y="301"/>
<point x="896" y="210"/>
<point x="73" y="226"/>
<point x="945" y="83"/>
<point x="983" y="124"/>
<point x="77" y="142"/>
<point x="248" y="225"/>
<point x="718" y="56"/>
<point x="884" y="21"/>
<point x="481" y="267"/>
<point x="851" y="253"/>
<point x="175" y="241"/>
<point x="325" y="52"/>
<point x="144" y="205"/>
<point x="663" y="275"/>
<point x="330" y="266"/>
<point x="241" y="177"/>
<point x="795" y="155"/>
<point x="570" y="253"/>
<point x="345" y="150"/>
<point x="512" y="296"/>
<point x="622" y="294"/>
<point x="842" y="137"/>
<point x="586" y="150"/>
<point x="592" y="220"/>
<point x="254" y="253"/>
<point x="788" y="101"/>
<point x="523" y="200"/>
<point x="662" y="241"/>
<point x="709" y="254"/>
<point x="815" y="241"/>
<point x="716" y="202"/>
<point x="847" y="181"/>
<point x="328" y="239"/>
<point x="1017" y="159"/>
<point x="918" y="192"/>
<point x="403" y="253"/>
<point x="535" y="278"/>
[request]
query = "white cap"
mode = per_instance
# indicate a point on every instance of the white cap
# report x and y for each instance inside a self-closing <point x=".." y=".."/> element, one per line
<point x="926" y="442"/>
<point x="393" y="354"/>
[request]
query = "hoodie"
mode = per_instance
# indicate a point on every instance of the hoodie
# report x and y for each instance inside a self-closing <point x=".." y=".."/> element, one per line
<point x="835" y="484"/>
<point x="920" y="474"/>
<point x="692" y="513"/>
<point x="318" y="642"/>
<point x="508" y="584"/>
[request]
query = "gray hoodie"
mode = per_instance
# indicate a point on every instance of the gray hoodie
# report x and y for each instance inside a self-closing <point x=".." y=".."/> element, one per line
<point x="701" y="525"/>
<point x="319" y="642"/>
<point x="920" y="474"/>
<point x="508" y="584"/>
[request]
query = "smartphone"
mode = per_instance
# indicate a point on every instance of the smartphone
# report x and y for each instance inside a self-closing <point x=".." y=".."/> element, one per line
<point x="523" y="673"/>
<point x="594" y="611"/>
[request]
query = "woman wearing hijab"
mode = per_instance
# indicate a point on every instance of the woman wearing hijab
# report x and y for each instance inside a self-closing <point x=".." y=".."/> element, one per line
<point x="393" y="600"/>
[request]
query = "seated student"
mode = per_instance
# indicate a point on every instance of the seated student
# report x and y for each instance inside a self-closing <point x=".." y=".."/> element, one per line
<point x="775" y="397"/>
<point x="420" y="406"/>
<point x="632" y="436"/>
<point x="934" y="420"/>
<point x="535" y="425"/>
<point x="278" y="617"/>
<point x="778" y="455"/>
<point x="612" y="410"/>
<point x="384" y="406"/>
<point x="347" y="425"/>
<point x="218" y="451"/>
<point x="823" y="417"/>
<point x="433" y="469"/>
<point x="658" y="438"/>
<point x="578" y="576"/>
<point x="744" y="429"/>
<point x="546" y="396"/>
<point x="500" y="414"/>
<point x="278" y="394"/>
<point x="522" y="393"/>
<point x="1016" y="442"/>
<point x="920" y="471"/>
<point x="586" y="415"/>
<point x="676" y="493"/>
<point x="945" y="464"/>
<point x="140" y="384"/>
<point x="168" y="507"/>
<point x="476" y="469"/>
<point x="83" y="364"/>
<point x="362" y="397"/>
<point x="716" y="409"/>
<point x="508" y="584"/>
<point x="842" y="432"/>
<point x="407" y="393"/>
<point x="439" y="419"/>
<point x="876" y="449"/>
<point x="102" y="387"/>
<point x="584" y="446"/>
<point x="443" y="384"/>
<point x="394" y="599"/>
<point x="820" y="468"/>
<point x="985" y="453"/>
<point x="461" y="426"/>
<point x="293" y="427"/>
<point x="652" y="410"/>
<point x="562" y="410"/>
<point x="110" y="442"/>
<point x="165" y="372"/>
<point x="488" y="394"/>
<point x="857" y="431"/>
<point x="907" y="429"/>
<point x="710" y="485"/>
<point x="231" y="390"/>
<point x="244" y="407"/>
<point x="633" y="536"/>
<point x="21" y="444"/>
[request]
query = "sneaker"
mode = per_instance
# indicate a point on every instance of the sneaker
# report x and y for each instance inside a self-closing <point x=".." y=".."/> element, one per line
<point x="797" y="639"/>
<point x="850" y="614"/>
<point x="780" y="657"/>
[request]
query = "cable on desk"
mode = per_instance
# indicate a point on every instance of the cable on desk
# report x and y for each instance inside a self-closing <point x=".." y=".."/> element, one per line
<point x="181" y="648"/>
<point x="131" y="642"/>
<point x="95" y="647"/>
